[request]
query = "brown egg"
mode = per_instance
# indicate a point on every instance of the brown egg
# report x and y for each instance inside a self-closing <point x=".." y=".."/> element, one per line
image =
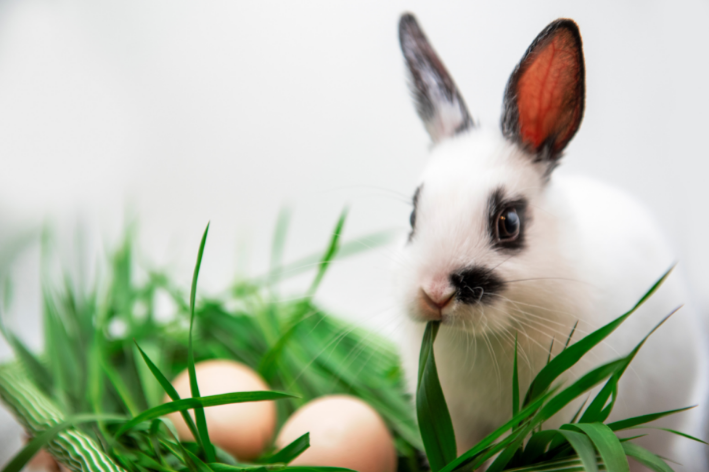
<point x="242" y="429"/>
<point x="344" y="432"/>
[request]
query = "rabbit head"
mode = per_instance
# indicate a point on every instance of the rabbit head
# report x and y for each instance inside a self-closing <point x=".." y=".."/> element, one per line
<point x="483" y="243"/>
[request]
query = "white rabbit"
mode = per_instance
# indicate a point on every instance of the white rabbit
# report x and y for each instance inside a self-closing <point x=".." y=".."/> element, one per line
<point x="501" y="246"/>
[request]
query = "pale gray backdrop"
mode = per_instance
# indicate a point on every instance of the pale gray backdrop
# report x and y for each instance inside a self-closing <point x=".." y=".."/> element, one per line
<point x="182" y="112"/>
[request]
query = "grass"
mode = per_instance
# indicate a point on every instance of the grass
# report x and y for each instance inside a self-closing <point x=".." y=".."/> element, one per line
<point x="121" y="379"/>
<point x="106" y="386"/>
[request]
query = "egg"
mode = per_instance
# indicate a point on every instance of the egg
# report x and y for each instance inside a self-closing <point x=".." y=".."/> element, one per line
<point x="242" y="429"/>
<point x="344" y="432"/>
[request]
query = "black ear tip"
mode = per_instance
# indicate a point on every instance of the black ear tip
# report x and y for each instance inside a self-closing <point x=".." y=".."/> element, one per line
<point x="567" y="24"/>
<point x="407" y="22"/>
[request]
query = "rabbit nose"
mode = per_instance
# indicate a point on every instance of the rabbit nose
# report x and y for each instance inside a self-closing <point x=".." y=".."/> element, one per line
<point x="432" y="304"/>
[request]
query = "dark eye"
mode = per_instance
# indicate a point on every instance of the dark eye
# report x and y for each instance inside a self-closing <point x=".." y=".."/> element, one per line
<point x="508" y="225"/>
<point x="412" y="218"/>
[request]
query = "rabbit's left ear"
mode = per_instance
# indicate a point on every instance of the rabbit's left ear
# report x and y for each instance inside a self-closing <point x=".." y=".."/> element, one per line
<point x="544" y="98"/>
<point x="437" y="99"/>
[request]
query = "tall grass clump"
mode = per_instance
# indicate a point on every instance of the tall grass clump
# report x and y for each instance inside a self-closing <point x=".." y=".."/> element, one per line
<point x="107" y="358"/>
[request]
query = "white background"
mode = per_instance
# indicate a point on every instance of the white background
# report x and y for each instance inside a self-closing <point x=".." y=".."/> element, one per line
<point x="182" y="112"/>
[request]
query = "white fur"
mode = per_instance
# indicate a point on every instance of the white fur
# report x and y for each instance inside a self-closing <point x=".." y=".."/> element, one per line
<point x="591" y="252"/>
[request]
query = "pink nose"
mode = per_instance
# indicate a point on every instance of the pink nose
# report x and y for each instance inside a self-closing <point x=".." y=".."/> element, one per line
<point x="432" y="305"/>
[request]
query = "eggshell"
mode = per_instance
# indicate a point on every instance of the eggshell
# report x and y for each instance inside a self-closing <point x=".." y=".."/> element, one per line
<point x="344" y="432"/>
<point x="242" y="429"/>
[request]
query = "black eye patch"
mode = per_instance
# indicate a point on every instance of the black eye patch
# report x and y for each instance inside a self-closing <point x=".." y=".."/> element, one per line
<point x="500" y="209"/>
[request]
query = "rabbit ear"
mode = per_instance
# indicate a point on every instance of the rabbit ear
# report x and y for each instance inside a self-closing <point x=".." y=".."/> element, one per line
<point x="437" y="99"/>
<point x="544" y="98"/>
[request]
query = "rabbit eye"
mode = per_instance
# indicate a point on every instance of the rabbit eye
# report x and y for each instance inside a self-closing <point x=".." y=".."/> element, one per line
<point x="508" y="225"/>
<point x="508" y="221"/>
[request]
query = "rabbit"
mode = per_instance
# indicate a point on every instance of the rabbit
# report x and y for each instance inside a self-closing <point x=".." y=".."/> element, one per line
<point x="500" y="246"/>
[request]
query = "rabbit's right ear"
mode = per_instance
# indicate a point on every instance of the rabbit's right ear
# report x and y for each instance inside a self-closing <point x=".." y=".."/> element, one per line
<point x="437" y="99"/>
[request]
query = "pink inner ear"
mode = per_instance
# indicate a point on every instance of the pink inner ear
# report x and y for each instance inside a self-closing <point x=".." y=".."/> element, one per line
<point x="547" y="92"/>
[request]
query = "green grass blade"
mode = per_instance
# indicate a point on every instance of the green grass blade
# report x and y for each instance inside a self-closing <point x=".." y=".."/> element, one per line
<point x="347" y="249"/>
<point x="177" y="448"/>
<point x="290" y="452"/>
<point x="607" y="443"/>
<point x="27" y="453"/>
<point x="505" y="456"/>
<point x="39" y="372"/>
<point x="578" y="388"/>
<point x="515" y="450"/>
<point x="41" y="376"/>
<point x="154" y="443"/>
<point x="632" y="438"/>
<point x="514" y="441"/>
<point x="329" y="254"/>
<point x="578" y="412"/>
<point x="268" y="366"/>
<point x="199" y="465"/>
<point x="583" y="447"/>
<point x="640" y="420"/>
<point x="600" y="408"/>
<point x="170" y="390"/>
<point x="259" y="468"/>
<point x="465" y="459"/>
<point x="551" y="347"/>
<point x="576" y="351"/>
<point x="96" y="383"/>
<point x="60" y="352"/>
<point x="194" y="388"/>
<point x="571" y="335"/>
<point x="269" y="362"/>
<point x="120" y="387"/>
<point x="38" y="442"/>
<point x="310" y="468"/>
<point x="200" y="402"/>
<point x="680" y="433"/>
<point x="433" y="417"/>
<point x="279" y="242"/>
<point x="515" y="384"/>
<point x="271" y="323"/>
<point x="558" y="465"/>
<point x="153" y="392"/>
<point x="537" y="445"/>
<point x="217" y="467"/>
<point x="145" y="460"/>
<point x="645" y="457"/>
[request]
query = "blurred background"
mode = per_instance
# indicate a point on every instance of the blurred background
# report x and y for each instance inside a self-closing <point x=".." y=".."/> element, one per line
<point x="172" y="113"/>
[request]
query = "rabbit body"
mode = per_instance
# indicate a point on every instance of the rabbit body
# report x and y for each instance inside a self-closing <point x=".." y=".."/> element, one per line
<point x="503" y="247"/>
<point x="592" y="252"/>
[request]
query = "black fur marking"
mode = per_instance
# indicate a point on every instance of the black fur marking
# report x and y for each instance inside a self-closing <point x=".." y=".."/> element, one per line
<point x="422" y="60"/>
<point x="412" y="218"/>
<point x="496" y="204"/>
<point x="476" y="285"/>
<point x="510" y="112"/>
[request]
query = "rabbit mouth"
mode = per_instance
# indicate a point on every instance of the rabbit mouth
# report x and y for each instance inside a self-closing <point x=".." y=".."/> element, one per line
<point x="477" y="320"/>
